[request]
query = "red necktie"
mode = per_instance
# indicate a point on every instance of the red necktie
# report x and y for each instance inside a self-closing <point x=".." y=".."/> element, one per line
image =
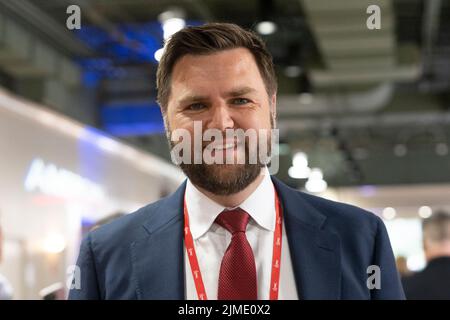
<point x="237" y="278"/>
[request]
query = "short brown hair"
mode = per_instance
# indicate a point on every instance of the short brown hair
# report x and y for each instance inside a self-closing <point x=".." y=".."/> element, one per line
<point x="210" y="38"/>
<point x="437" y="227"/>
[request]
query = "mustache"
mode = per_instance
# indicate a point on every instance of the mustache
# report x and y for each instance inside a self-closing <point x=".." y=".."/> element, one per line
<point x="223" y="141"/>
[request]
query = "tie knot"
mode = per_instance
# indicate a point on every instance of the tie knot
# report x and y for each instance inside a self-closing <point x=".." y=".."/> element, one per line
<point x="235" y="220"/>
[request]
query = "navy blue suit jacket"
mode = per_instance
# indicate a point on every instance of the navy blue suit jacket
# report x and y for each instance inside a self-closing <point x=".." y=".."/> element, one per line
<point x="141" y="256"/>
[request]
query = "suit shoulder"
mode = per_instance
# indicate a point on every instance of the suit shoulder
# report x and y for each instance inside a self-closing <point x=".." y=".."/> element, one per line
<point x="124" y="230"/>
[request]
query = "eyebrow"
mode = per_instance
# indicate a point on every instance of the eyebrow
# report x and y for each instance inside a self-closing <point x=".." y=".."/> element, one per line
<point x="191" y="99"/>
<point x="240" y="91"/>
<point x="235" y="92"/>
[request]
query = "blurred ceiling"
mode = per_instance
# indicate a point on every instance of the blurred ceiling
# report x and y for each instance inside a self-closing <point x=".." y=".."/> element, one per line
<point x="367" y="106"/>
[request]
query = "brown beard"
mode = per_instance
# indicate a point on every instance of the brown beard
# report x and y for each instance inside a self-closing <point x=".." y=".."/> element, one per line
<point x="225" y="179"/>
<point x="211" y="178"/>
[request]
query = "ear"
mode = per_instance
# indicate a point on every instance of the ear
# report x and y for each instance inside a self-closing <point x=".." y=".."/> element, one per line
<point x="166" y="125"/>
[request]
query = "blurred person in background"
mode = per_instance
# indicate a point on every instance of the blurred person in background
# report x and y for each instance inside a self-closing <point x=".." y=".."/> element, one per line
<point x="55" y="291"/>
<point x="432" y="283"/>
<point x="402" y="266"/>
<point x="6" y="291"/>
<point x="224" y="233"/>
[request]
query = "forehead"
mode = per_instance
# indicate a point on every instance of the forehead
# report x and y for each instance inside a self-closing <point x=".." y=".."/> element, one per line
<point x="217" y="67"/>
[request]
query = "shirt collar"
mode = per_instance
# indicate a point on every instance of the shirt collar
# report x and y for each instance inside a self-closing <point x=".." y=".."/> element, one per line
<point x="203" y="211"/>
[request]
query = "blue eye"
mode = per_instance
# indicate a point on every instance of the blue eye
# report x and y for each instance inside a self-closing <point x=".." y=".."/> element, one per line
<point x="240" y="101"/>
<point x="196" y="106"/>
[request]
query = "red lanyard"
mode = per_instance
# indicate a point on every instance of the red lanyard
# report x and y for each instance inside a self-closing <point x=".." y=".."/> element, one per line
<point x="276" y="257"/>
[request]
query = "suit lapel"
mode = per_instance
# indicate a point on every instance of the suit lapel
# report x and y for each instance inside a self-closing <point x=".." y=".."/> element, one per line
<point x="315" y="252"/>
<point x="158" y="259"/>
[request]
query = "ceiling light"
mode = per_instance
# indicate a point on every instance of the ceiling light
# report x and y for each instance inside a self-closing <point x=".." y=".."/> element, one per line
<point x="299" y="173"/>
<point x="158" y="54"/>
<point x="389" y="213"/>
<point x="305" y="98"/>
<point x="316" y="186"/>
<point x="400" y="150"/>
<point x="292" y="71"/>
<point x="300" y="160"/>
<point x="172" y="21"/>
<point x="173" y="12"/>
<point x="441" y="149"/>
<point x="172" y="25"/>
<point x="315" y="181"/>
<point x="316" y="174"/>
<point x="266" y="27"/>
<point x="425" y="212"/>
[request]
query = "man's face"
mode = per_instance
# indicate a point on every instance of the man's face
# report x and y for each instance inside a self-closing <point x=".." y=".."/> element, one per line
<point x="223" y="90"/>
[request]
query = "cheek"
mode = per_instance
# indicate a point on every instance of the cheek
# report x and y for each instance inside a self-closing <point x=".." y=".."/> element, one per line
<point x="179" y="121"/>
<point x="177" y="127"/>
<point x="258" y="120"/>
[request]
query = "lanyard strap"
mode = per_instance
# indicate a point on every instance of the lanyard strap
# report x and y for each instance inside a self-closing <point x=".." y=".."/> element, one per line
<point x="276" y="256"/>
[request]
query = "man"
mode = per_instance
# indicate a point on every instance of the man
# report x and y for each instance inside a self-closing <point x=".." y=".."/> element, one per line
<point x="434" y="281"/>
<point x="232" y="231"/>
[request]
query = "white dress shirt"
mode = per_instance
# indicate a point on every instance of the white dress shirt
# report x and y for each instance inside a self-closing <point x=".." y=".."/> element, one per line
<point x="211" y="241"/>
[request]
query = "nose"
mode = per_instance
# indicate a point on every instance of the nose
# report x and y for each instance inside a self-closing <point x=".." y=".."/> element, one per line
<point x="221" y="118"/>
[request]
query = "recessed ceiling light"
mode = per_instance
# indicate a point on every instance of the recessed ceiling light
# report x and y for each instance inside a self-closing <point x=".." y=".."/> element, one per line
<point x="158" y="54"/>
<point x="300" y="160"/>
<point x="266" y="27"/>
<point x="292" y="71"/>
<point x="441" y="149"/>
<point x="425" y="212"/>
<point x="400" y="150"/>
<point x="305" y="98"/>
<point x="389" y="213"/>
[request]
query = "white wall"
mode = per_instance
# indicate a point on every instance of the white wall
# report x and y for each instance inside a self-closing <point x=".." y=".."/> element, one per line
<point x="55" y="172"/>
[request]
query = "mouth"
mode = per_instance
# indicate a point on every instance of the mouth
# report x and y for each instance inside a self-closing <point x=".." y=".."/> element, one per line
<point x="225" y="150"/>
<point x="225" y="145"/>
